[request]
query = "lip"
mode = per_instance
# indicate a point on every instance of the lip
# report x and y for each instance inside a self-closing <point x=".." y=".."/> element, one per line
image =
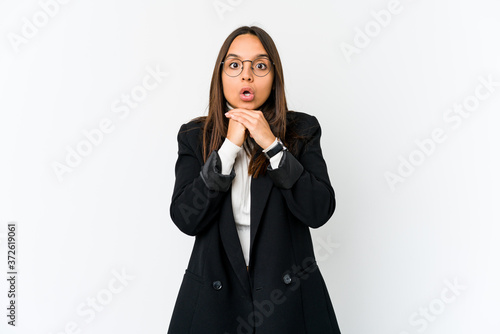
<point x="248" y="98"/>
<point x="249" y="89"/>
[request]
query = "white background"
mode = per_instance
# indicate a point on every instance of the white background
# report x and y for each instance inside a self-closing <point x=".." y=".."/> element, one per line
<point x="386" y="254"/>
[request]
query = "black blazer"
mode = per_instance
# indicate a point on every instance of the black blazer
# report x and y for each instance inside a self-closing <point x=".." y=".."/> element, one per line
<point x="283" y="291"/>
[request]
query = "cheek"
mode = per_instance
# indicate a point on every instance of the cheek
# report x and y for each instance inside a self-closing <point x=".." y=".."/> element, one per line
<point x="224" y="84"/>
<point x="270" y="81"/>
<point x="268" y="86"/>
<point x="227" y="86"/>
<point x="271" y="85"/>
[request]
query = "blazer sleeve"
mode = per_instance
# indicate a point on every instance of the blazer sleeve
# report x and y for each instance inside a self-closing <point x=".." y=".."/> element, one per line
<point x="304" y="182"/>
<point x="198" y="189"/>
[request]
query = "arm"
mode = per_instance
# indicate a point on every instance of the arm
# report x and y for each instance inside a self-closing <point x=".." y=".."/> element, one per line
<point x="227" y="154"/>
<point x="275" y="160"/>
<point x="198" y="189"/>
<point x="304" y="182"/>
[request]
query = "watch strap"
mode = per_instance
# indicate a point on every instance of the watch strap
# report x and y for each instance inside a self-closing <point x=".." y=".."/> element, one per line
<point x="275" y="150"/>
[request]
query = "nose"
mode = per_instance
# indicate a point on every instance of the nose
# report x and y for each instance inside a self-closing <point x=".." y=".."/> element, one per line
<point x="247" y="74"/>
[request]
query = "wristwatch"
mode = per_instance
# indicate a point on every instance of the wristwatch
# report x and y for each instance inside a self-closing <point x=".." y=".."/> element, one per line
<point x="275" y="150"/>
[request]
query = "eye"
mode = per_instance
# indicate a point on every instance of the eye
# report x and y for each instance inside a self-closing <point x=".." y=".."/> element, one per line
<point x="234" y="65"/>
<point x="261" y="66"/>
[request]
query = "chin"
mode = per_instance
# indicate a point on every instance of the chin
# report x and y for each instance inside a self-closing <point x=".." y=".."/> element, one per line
<point x="251" y="105"/>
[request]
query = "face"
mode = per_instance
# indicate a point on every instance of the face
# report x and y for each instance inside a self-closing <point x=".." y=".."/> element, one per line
<point x="247" y="47"/>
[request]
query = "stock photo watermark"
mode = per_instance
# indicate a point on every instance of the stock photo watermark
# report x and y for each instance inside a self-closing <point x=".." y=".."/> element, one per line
<point x="30" y="27"/>
<point x="324" y="248"/>
<point x="200" y="202"/>
<point x="223" y="6"/>
<point x="12" y="274"/>
<point x="265" y="308"/>
<point x="363" y="37"/>
<point x="94" y="137"/>
<point x="430" y="312"/>
<point x="453" y="117"/>
<point x="293" y="278"/>
<point x="88" y="309"/>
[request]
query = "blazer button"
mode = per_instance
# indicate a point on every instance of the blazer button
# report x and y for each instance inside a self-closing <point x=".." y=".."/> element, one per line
<point x="217" y="285"/>
<point x="287" y="279"/>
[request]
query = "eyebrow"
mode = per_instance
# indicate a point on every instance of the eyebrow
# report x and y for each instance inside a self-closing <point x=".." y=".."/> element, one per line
<point x="257" y="56"/>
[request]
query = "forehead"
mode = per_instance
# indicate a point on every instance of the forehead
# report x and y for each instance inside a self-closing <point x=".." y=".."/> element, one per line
<point x="246" y="46"/>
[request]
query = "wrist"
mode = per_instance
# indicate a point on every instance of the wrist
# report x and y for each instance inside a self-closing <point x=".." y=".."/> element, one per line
<point x="271" y="145"/>
<point x="274" y="149"/>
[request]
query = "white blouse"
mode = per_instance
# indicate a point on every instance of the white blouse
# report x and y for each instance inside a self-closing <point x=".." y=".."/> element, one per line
<point x="232" y="155"/>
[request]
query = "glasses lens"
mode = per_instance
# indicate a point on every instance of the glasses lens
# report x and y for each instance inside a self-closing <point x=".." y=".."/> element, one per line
<point x="261" y="66"/>
<point x="233" y="67"/>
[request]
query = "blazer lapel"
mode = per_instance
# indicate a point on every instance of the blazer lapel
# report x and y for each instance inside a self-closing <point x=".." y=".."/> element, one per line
<point x="231" y="242"/>
<point x="259" y="193"/>
<point x="260" y="189"/>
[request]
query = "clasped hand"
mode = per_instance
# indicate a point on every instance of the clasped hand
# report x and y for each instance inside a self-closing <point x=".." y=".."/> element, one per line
<point x="252" y="122"/>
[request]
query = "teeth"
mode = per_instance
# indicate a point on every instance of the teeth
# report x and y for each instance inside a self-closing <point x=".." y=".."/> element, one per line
<point x="247" y="94"/>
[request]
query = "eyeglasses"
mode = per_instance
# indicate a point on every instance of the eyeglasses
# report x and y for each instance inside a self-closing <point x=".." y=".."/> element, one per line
<point x="260" y="66"/>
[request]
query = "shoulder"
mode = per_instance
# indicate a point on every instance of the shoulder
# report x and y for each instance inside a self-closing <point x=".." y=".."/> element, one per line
<point x="301" y="130"/>
<point x="302" y="122"/>
<point x="194" y="125"/>
<point x="190" y="133"/>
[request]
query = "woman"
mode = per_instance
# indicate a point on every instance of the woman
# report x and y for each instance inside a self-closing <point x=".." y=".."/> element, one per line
<point x="250" y="182"/>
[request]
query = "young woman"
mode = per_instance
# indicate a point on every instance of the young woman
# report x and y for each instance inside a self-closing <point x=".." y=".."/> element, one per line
<point x="250" y="183"/>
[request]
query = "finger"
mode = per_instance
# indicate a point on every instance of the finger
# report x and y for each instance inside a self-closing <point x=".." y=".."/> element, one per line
<point x="248" y="112"/>
<point x="254" y="116"/>
<point x="237" y="123"/>
<point x="244" y="119"/>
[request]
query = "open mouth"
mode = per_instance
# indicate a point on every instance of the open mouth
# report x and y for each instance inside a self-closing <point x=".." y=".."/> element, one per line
<point x="247" y="94"/>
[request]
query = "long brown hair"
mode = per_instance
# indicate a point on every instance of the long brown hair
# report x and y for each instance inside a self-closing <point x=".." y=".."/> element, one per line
<point x="274" y="109"/>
